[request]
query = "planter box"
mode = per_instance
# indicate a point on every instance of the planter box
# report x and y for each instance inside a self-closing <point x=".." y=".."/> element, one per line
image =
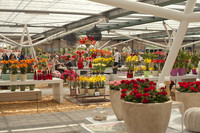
<point x="7" y="76"/>
<point x="27" y="95"/>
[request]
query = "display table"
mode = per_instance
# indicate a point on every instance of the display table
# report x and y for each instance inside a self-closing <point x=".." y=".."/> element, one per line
<point x="57" y="86"/>
<point x="188" y="77"/>
<point x="87" y="96"/>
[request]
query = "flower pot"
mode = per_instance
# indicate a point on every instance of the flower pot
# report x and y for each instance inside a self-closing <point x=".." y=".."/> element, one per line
<point x="147" y="73"/>
<point x="101" y="91"/>
<point x="130" y="73"/>
<point x="150" y="118"/>
<point x="155" y="73"/>
<point x="116" y="103"/>
<point x="82" y="91"/>
<point x="22" y="87"/>
<point x="5" y="76"/>
<point x="188" y="99"/>
<point x="194" y="71"/>
<point x="72" y="92"/>
<point x="181" y="71"/>
<point x="174" y="72"/>
<point x="32" y="87"/>
<point x="23" y="77"/>
<point x="30" y="75"/>
<point x="13" y="87"/>
<point x="91" y="92"/>
<point x="13" y="77"/>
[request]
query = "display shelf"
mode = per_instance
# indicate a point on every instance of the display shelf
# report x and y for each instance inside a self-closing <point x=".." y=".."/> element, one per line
<point x="87" y="96"/>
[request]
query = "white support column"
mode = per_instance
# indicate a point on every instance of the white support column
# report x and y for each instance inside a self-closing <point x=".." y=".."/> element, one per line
<point x="22" y="39"/>
<point x="105" y="44"/>
<point x="176" y="43"/>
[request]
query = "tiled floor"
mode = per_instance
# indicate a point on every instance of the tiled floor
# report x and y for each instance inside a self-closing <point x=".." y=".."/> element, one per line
<point x="59" y="122"/>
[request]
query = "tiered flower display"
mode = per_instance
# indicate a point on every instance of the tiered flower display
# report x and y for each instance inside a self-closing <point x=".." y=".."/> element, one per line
<point x="142" y="91"/>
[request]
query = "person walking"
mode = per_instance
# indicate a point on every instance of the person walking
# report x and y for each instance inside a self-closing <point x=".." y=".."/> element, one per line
<point x="117" y="57"/>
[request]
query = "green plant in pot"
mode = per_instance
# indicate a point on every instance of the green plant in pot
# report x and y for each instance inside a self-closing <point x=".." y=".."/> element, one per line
<point x="13" y="87"/>
<point x="32" y="87"/>
<point x="4" y="68"/>
<point x="22" y="87"/>
<point x="194" y="62"/>
<point x="181" y="61"/>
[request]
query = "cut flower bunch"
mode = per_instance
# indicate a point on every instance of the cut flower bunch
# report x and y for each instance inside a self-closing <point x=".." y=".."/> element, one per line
<point x="142" y="91"/>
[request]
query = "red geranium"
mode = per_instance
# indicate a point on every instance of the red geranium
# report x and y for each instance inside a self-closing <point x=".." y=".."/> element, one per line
<point x="145" y="101"/>
<point x="138" y="95"/>
<point x="123" y="95"/>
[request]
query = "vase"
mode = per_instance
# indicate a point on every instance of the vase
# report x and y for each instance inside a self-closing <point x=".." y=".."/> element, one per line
<point x="101" y="91"/>
<point x="188" y="99"/>
<point x="5" y="76"/>
<point x="35" y="76"/>
<point x="90" y="64"/>
<point x="155" y="73"/>
<point x="32" y="87"/>
<point x="30" y="75"/>
<point x="23" y="77"/>
<point x="82" y="91"/>
<point x="13" y="87"/>
<point x="181" y="71"/>
<point x="130" y="74"/>
<point x="194" y="71"/>
<point x="174" y="72"/>
<point x="13" y="77"/>
<point x="91" y="92"/>
<point x="147" y="73"/>
<point x="150" y="118"/>
<point x="72" y="92"/>
<point x="116" y="103"/>
<point x="22" y="87"/>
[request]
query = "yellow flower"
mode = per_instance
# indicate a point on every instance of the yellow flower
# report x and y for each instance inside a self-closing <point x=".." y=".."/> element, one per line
<point x="147" y="61"/>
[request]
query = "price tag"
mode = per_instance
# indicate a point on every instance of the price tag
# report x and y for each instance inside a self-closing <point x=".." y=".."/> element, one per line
<point x="97" y="93"/>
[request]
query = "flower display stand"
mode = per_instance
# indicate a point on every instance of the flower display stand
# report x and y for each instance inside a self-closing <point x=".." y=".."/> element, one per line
<point x="27" y="95"/>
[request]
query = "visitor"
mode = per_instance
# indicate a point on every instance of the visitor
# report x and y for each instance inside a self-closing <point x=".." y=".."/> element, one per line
<point x="12" y="57"/>
<point x="4" y="57"/>
<point x="117" y="57"/>
<point x="59" y="66"/>
<point x="20" y="57"/>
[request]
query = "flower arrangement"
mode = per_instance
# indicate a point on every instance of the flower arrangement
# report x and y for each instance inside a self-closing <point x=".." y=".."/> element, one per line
<point x="142" y="91"/>
<point x="155" y="65"/>
<point x="30" y="64"/>
<point x="56" y="74"/>
<point x="80" y="53"/>
<point x="115" y="85"/>
<point x="189" y="87"/>
<point x="87" y="41"/>
<point x="83" y="81"/>
<point x="4" y="67"/>
<point x="181" y="59"/>
<point x="69" y="75"/>
<point x="147" y="62"/>
<point x="131" y="61"/>
<point x="23" y="67"/>
<point x="14" y="66"/>
<point x="97" y="82"/>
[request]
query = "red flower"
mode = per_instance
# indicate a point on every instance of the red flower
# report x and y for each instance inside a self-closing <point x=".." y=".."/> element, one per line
<point x="146" y="94"/>
<point x="138" y="79"/>
<point x="162" y="88"/>
<point x="133" y="92"/>
<point x="138" y="95"/>
<point x="123" y="95"/>
<point x="136" y="85"/>
<point x="127" y="82"/>
<point x="39" y="71"/>
<point x="164" y="93"/>
<point x="193" y="89"/>
<point x="147" y="89"/>
<point x="152" y="88"/>
<point x="147" y="80"/>
<point x="145" y="101"/>
<point x="142" y="80"/>
<point x="124" y="90"/>
<point x="134" y="81"/>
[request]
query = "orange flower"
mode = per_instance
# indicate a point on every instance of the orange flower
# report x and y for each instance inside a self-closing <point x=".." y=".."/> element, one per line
<point x="2" y="62"/>
<point x="32" y="60"/>
<point x="16" y="62"/>
<point x="13" y="66"/>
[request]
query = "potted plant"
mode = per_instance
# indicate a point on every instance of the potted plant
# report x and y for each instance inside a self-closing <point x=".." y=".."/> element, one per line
<point x="181" y="60"/>
<point x="13" y="70"/>
<point x="155" y="68"/>
<point x="4" y="74"/>
<point x="23" y="70"/>
<point x="188" y="93"/>
<point x="83" y="84"/>
<point x="153" y="108"/>
<point x="174" y="70"/>
<point x="13" y="87"/>
<point x="101" y="84"/>
<point x="31" y="87"/>
<point x="194" y="61"/>
<point x="147" y="71"/>
<point x="30" y="72"/>
<point x="130" y="63"/>
<point x="22" y="87"/>
<point x="115" y="99"/>
<point x="92" y="85"/>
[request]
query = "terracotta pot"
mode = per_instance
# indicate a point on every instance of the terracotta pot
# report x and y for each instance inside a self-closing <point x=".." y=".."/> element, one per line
<point x="91" y="92"/>
<point x="82" y="91"/>
<point x="101" y="91"/>
<point x="23" y="77"/>
<point x="116" y="103"/>
<point x="13" y="77"/>
<point x="189" y="99"/>
<point x="155" y="73"/>
<point x="146" y="118"/>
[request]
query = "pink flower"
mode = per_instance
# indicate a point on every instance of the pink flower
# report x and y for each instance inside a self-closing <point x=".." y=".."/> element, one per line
<point x="111" y="82"/>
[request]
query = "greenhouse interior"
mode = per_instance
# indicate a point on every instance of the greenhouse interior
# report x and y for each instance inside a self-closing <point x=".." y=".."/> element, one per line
<point x="99" y="66"/>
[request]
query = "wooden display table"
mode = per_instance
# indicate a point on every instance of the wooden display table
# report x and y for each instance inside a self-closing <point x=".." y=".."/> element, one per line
<point x="57" y="86"/>
<point x="87" y="96"/>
